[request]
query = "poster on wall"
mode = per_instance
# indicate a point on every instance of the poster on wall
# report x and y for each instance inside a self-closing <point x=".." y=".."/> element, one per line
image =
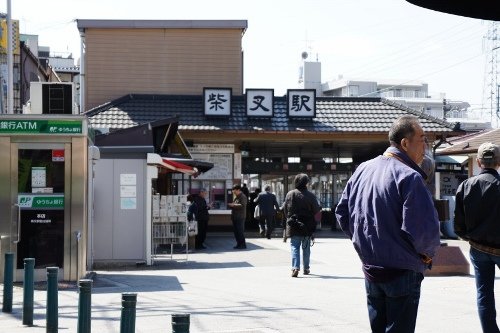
<point x="128" y="179"/>
<point x="128" y="203"/>
<point x="128" y="191"/>
<point x="38" y="177"/>
<point x="449" y="184"/>
<point x="223" y="166"/>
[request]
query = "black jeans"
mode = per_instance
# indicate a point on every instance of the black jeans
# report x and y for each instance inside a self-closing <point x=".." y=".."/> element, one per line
<point x="239" y="231"/>
<point x="267" y="222"/>
<point x="393" y="305"/>
<point x="202" y="233"/>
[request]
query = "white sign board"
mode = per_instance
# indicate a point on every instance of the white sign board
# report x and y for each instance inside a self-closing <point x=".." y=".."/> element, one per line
<point x="38" y="177"/>
<point x="128" y="179"/>
<point x="260" y="102"/>
<point x="217" y="101"/>
<point x="211" y="148"/>
<point x="301" y="103"/>
<point x="223" y="166"/>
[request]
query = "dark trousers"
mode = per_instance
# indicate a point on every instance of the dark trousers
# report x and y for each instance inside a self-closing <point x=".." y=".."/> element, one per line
<point x="267" y="222"/>
<point x="393" y="305"/>
<point x="484" y="271"/>
<point x="202" y="233"/>
<point x="239" y="231"/>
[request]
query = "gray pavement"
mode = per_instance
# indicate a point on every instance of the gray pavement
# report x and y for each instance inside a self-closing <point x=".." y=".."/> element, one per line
<point x="226" y="290"/>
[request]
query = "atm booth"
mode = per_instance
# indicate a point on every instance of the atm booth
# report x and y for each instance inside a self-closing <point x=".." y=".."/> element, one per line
<point x="43" y="193"/>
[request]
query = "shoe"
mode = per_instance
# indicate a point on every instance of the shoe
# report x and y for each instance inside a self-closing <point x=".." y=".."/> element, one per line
<point x="295" y="272"/>
<point x="307" y="272"/>
<point x="240" y="247"/>
<point x="262" y="233"/>
<point x="269" y="237"/>
<point x="200" y="247"/>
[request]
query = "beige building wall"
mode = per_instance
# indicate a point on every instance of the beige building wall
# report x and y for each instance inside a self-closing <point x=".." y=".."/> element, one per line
<point x="122" y="61"/>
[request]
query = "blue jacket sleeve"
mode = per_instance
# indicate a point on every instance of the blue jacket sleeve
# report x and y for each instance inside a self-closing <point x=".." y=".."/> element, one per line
<point x="420" y="220"/>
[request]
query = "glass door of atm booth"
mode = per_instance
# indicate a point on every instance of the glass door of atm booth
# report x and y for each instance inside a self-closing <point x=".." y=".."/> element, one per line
<point x="41" y="188"/>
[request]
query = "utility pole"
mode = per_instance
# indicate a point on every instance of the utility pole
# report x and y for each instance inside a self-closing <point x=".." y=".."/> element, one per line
<point x="490" y="91"/>
<point x="10" y="62"/>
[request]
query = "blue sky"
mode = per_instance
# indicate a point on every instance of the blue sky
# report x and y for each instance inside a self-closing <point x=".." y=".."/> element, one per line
<point x="365" y="39"/>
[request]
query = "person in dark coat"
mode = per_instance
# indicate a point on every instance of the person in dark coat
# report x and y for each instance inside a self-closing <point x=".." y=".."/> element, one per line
<point x="202" y="217"/>
<point x="198" y="211"/>
<point x="300" y="207"/>
<point x="477" y="219"/>
<point x="238" y="214"/>
<point x="267" y="206"/>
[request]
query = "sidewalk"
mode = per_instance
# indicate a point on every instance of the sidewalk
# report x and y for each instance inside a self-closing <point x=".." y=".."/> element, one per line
<point x="235" y="291"/>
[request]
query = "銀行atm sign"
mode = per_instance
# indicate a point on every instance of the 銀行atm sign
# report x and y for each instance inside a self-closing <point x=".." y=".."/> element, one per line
<point x="39" y="126"/>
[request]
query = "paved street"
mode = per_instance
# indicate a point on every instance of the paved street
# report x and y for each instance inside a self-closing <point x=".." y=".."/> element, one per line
<point x="226" y="290"/>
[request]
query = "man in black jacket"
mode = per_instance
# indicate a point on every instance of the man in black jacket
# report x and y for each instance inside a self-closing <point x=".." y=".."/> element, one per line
<point x="267" y="207"/>
<point x="202" y="217"/>
<point x="477" y="219"/>
<point x="238" y="215"/>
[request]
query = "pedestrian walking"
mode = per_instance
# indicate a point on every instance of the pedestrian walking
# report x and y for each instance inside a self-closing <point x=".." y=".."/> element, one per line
<point x="300" y="207"/>
<point x="477" y="219"/>
<point x="389" y="215"/>
<point x="267" y="211"/>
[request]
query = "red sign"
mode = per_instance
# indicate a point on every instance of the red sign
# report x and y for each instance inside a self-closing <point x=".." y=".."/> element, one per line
<point x="58" y="155"/>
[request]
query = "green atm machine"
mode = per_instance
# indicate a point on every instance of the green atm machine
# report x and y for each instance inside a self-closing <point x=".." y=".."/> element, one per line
<point x="43" y="193"/>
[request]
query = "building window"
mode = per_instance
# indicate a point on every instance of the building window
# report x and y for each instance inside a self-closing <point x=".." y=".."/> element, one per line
<point x="294" y="160"/>
<point x="353" y="91"/>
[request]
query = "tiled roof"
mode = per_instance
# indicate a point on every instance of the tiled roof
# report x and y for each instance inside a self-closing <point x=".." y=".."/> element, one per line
<point x="468" y="144"/>
<point x="333" y="114"/>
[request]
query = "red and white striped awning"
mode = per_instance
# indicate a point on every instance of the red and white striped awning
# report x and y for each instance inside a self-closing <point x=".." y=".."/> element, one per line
<point x="171" y="165"/>
<point x="179" y="167"/>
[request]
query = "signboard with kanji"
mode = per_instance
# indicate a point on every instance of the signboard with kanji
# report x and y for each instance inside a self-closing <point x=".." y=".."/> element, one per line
<point x="217" y="101"/>
<point x="38" y="126"/>
<point x="54" y="201"/>
<point x="301" y="103"/>
<point x="260" y="103"/>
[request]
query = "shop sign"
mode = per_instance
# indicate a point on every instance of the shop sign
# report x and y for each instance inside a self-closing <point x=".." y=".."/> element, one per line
<point x="448" y="184"/>
<point x="40" y="201"/>
<point x="301" y="103"/>
<point x="49" y="126"/>
<point x="58" y="155"/>
<point x="217" y="101"/>
<point x="216" y="148"/>
<point x="260" y="103"/>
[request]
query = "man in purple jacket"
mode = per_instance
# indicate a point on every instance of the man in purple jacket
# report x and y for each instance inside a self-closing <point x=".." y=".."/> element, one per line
<point x="388" y="213"/>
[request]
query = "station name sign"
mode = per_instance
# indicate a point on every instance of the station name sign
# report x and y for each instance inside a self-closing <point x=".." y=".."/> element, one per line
<point x="259" y="103"/>
<point x="34" y="126"/>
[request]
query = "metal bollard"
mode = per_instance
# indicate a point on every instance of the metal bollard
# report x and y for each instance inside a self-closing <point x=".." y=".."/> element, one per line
<point x="28" y="291"/>
<point x="180" y="323"/>
<point x="127" y="322"/>
<point x="84" y="303"/>
<point x="52" y="304"/>
<point x="8" y="282"/>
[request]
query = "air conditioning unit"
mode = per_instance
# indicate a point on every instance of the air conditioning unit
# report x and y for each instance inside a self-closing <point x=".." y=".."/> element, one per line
<point x="52" y="98"/>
